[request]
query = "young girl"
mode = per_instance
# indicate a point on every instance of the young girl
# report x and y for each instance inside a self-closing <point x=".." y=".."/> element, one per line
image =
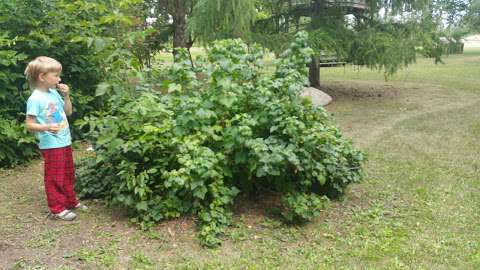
<point x="47" y="117"/>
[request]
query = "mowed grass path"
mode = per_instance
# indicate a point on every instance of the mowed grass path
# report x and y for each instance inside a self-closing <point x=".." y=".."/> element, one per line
<point x="418" y="207"/>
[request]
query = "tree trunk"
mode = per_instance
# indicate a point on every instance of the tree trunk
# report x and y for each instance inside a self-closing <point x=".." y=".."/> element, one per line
<point x="314" y="73"/>
<point x="180" y="39"/>
<point x="314" y="68"/>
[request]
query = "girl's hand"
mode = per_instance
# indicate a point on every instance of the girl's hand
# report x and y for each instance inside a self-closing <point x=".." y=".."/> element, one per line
<point x="63" y="88"/>
<point x="54" y="128"/>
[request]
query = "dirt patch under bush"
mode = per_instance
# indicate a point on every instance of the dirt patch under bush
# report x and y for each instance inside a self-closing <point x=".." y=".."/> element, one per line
<point x="361" y="90"/>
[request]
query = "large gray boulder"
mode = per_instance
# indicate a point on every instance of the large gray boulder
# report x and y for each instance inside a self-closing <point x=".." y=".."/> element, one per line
<point x="318" y="97"/>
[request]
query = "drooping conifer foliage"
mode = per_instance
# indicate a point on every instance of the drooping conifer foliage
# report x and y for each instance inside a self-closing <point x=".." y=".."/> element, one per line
<point x="383" y="35"/>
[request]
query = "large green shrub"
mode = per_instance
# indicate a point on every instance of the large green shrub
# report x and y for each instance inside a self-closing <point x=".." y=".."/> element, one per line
<point x="224" y="127"/>
<point x="83" y="35"/>
<point x="29" y="29"/>
<point x="15" y="144"/>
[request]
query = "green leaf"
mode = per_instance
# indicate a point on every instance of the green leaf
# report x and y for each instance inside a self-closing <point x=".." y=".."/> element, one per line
<point x="102" y="89"/>
<point x="142" y="206"/>
<point x="200" y="192"/>
<point x="174" y="87"/>
<point x="321" y="179"/>
<point x="77" y="39"/>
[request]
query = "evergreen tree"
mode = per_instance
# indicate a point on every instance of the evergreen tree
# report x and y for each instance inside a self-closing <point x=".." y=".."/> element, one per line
<point x="188" y="21"/>
<point x="377" y="34"/>
<point x="472" y="18"/>
<point x="219" y="19"/>
<point x="382" y="35"/>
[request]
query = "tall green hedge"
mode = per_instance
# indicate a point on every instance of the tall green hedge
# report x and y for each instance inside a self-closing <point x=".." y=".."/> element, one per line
<point x="80" y="34"/>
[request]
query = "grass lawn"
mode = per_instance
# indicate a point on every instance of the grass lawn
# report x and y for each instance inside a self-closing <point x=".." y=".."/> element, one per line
<point x="418" y="207"/>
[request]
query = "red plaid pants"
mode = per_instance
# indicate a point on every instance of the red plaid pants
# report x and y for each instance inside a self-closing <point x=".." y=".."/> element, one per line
<point x="59" y="178"/>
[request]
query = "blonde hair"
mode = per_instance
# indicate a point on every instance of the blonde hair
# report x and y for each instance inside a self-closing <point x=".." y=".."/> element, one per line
<point x="40" y="65"/>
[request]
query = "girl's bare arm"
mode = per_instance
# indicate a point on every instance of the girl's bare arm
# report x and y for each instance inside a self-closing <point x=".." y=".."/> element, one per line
<point x="32" y="125"/>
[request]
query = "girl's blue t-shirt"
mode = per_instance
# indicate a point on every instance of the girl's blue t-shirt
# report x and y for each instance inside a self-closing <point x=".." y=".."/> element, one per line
<point x="47" y="107"/>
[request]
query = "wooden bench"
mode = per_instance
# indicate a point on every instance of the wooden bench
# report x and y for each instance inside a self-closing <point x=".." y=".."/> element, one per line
<point x="332" y="64"/>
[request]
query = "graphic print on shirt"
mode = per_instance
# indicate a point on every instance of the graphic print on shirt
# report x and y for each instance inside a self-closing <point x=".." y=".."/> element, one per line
<point x="54" y="116"/>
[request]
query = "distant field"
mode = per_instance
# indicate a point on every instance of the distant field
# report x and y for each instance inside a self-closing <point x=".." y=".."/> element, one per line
<point x="472" y="42"/>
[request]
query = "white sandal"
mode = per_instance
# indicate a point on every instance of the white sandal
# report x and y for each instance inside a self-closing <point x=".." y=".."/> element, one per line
<point x="81" y="207"/>
<point x="65" y="215"/>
